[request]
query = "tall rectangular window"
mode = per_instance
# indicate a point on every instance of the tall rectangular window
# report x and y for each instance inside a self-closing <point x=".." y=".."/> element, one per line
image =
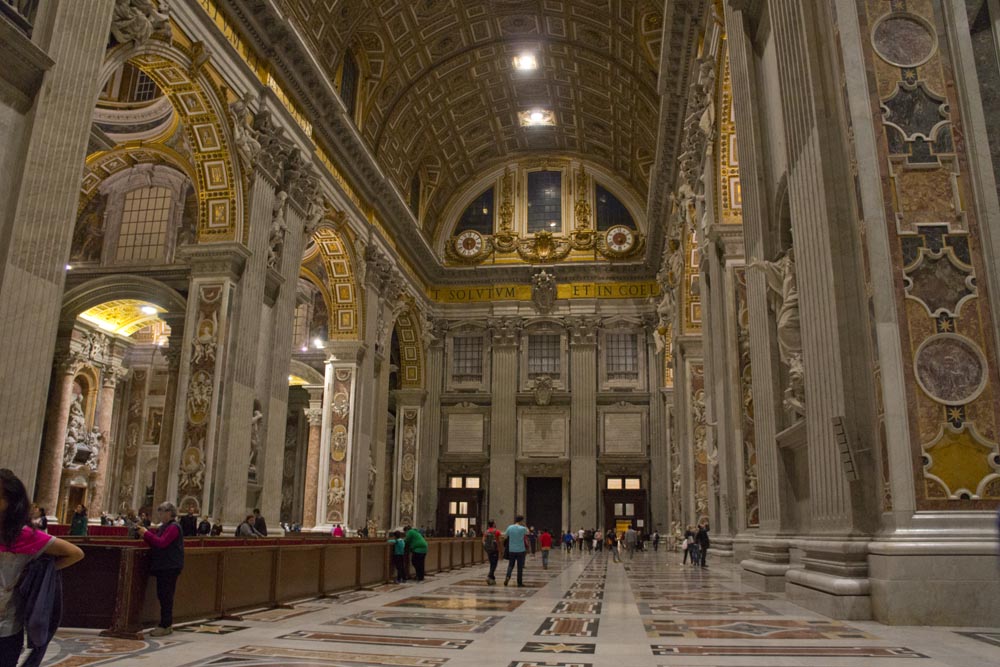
<point x="543" y="355"/>
<point x="467" y="358"/>
<point x="145" y="218"/>
<point x="349" y="84"/>
<point x="544" y="201"/>
<point x="622" y="356"/>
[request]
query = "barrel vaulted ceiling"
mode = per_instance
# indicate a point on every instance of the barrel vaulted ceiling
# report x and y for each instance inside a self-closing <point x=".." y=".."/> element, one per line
<point x="441" y="97"/>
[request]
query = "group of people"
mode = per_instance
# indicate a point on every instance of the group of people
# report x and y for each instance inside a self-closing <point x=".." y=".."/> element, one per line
<point x="696" y="544"/>
<point x="409" y="542"/>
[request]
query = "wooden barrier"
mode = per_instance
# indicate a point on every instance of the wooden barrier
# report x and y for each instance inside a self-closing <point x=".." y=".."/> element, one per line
<point x="111" y="588"/>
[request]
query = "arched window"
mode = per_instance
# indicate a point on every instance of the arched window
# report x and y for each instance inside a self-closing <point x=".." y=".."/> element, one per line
<point x="478" y="215"/>
<point x="610" y="211"/>
<point x="349" y="83"/>
<point x="544" y="201"/>
<point x="145" y="221"/>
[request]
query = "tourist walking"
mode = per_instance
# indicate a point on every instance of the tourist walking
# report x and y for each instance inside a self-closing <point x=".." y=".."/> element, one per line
<point x="631" y="539"/>
<point x="21" y="597"/>
<point x="701" y="538"/>
<point x="166" y="560"/>
<point x="579" y="538"/>
<point x="545" y="542"/>
<point x="516" y="538"/>
<point x="491" y="545"/>
<point x="533" y="540"/>
<point x="417" y="546"/>
<point x="687" y="545"/>
<point x="613" y="546"/>
<point x="78" y="524"/>
<point x="656" y="540"/>
<point x="567" y="539"/>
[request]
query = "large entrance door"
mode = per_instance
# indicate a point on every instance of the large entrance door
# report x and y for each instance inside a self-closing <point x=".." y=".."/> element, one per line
<point x="544" y="503"/>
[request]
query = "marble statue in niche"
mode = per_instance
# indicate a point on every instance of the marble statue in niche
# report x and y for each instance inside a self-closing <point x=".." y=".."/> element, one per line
<point x="782" y="284"/>
<point x="256" y="435"/>
<point x="88" y="235"/>
<point x="244" y="135"/>
<point x="276" y="240"/>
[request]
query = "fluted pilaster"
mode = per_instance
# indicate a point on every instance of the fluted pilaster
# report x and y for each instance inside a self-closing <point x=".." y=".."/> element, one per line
<point x="584" y="493"/>
<point x="503" y="419"/>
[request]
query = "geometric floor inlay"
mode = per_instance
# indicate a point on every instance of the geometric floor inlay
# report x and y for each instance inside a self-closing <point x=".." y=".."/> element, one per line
<point x="788" y="651"/>
<point x="559" y="626"/>
<point x="560" y="647"/>
<point x="272" y="656"/>
<point x="473" y="603"/>
<point x="577" y="607"/>
<point x="406" y="620"/>
<point x="986" y="637"/>
<point x="279" y="614"/>
<point x="532" y="663"/>
<point x="210" y="628"/>
<point x="377" y="640"/>
<point x="770" y="629"/>
<point x="708" y="608"/>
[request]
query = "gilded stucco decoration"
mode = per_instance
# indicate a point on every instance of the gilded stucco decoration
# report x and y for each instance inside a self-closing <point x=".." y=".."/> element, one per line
<point x="946" y="321"/>
<point x="730" y="201"/>
<point x="122" y="316"/>
<point x="439" y="80"/>
<point x="411" y="355"/>
<point x="340" y="284"/>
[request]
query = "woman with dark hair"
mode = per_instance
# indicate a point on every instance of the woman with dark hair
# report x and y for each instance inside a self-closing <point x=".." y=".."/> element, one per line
<point x="78" y="525"/>
<point x="166" y="560"/>
<point x="20" y="543"/>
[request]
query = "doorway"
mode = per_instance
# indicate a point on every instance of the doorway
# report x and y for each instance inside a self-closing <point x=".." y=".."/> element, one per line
<point x="543" y="503"/>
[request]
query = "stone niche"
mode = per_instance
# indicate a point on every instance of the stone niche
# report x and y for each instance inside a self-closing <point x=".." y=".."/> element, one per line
<point x="543" y="432"/>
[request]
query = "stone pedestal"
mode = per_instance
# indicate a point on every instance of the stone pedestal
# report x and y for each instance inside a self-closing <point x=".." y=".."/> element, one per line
<point x="834" y="581"/>
<point x="765" y="569"/>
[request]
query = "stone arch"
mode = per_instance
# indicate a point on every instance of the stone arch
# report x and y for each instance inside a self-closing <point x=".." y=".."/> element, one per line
<point x="306" y="372"/>
<point x="411" y="349"/>
<point x="340" y="284"/>
<point x="202" y="109"/>
<point x="119" y="286"/>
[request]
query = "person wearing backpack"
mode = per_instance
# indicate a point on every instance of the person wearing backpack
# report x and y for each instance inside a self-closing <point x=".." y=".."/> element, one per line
<point x="491" y="545"/>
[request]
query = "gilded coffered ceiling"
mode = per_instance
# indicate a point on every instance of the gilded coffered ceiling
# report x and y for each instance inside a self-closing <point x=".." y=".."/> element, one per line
<point x="439" y="95"/>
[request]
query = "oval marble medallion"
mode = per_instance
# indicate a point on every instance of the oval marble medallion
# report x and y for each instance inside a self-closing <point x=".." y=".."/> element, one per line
<point x="950" y="368"/>
<point x="903" y="39"/>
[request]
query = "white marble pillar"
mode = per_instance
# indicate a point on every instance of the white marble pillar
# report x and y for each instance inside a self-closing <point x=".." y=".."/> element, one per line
<point x="37" y="228"/>
<point x="501" y="504"/>
<point x="430" y="439"/>
<point x="584" y="492"/>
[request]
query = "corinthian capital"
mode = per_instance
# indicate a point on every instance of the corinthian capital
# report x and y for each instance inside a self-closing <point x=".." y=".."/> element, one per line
<point x="315" y="416"/>
<point x="505" y="330"/>
<point x="583" y="329"/>
<point x="70" y="362"/>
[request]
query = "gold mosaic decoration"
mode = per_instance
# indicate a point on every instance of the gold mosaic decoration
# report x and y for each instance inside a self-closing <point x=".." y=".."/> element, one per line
<point x="411" y="355"/>
<point x="729" y="204"/>
<point x="341" y="285"/>
<point x="121" y="316"/>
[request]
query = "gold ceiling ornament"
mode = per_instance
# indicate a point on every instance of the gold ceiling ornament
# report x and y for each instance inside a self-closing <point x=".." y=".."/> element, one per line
<point x="544" y="247"/>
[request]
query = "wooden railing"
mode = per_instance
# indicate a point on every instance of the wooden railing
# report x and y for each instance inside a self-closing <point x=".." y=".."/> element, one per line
<point x="110" y="589"/>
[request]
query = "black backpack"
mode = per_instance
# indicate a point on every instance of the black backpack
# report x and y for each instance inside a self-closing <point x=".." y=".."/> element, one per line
<point x="490" y="542"/>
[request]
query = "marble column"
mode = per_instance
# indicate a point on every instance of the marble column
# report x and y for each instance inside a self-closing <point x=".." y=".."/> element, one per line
<point x="337" y="477"/>
<point x="110" y="377"/>
<point x="506" y="334"/>
<point x="229" y="495"/>
<point x="659" y="451"/>
<point x="164" y="451"/>
<point x="583" y="489"/>
<point x="38" y="225"/>
<point x="314" y="413"/>
<point x="406" y="482"/>
<point x="50" y="467"/>
<point x="380" y="511"/>
<point x="215" y="270"/>
<point x="275" y="399"/>
<point x="430" y="439"/>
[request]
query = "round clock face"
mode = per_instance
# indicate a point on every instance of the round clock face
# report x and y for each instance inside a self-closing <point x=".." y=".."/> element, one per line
<point x="469" y="244"/>
<point x="620" y="238"/>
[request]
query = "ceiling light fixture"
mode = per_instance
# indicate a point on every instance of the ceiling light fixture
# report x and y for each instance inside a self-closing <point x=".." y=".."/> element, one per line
<point x="69" y="267"/>
<point x="525" y="62"/>
<point x="149" y="310"/>
<point x="317" y="343"/>
<point x="536" y="117"/>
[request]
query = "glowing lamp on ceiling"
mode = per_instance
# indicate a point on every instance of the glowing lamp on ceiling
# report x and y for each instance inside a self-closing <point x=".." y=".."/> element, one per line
<point x="525" y="62"/>
<point x="537" y="118"/>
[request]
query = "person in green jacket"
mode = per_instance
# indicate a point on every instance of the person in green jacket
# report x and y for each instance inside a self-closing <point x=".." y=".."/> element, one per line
<point x="78" y="526"/>
<point x="417" y="546"/>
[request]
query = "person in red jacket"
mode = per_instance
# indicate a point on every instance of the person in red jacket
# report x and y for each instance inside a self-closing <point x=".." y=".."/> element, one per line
<point x="545" y="542"/>
<point x="166" y="560"/>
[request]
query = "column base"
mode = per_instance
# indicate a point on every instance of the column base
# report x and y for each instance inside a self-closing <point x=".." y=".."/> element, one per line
<point x="963" y="591"/>
<point x="837" y="597"/>
<point x="765" y="569"/>
<point x="721" y="549"/>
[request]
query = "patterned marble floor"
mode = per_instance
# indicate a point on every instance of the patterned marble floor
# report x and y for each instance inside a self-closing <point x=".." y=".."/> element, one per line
<point x="582" y="612"/>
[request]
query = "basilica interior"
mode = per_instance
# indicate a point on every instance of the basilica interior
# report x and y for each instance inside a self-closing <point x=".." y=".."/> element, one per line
<point x="600" y="263"/>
